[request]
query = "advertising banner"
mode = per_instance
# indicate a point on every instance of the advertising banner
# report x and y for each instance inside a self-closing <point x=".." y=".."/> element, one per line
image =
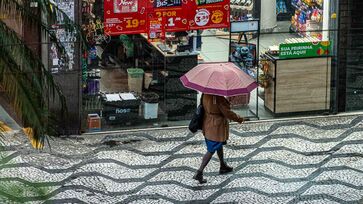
<point x="209" y="14"/>
<point x="306" y="49"/>
<point x="125" y="16"/>
<point x="132" y="16"/>
<point x="173" y="14"/>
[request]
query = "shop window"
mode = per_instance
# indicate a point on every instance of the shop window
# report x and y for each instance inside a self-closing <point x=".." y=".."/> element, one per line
<point x="132" y="81"/>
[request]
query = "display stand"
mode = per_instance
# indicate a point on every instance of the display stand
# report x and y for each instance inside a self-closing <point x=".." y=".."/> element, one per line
<point x="298" y="85"/>
<point x="298" y="80"/>
<point x="252" y="26"/>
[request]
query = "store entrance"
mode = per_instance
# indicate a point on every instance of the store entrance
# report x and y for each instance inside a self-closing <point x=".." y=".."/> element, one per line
<point x="289" y="85"/>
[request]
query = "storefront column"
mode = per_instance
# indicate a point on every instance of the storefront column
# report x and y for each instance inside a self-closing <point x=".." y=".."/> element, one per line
<point x="268" y="15"/>
<point x="326" y="17"/>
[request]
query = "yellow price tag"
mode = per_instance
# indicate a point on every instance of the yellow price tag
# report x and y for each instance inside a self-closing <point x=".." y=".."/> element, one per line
<point x="134" y="23"/>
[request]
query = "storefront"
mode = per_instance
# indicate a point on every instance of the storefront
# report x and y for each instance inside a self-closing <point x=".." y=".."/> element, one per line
<point x="131" y="79"/>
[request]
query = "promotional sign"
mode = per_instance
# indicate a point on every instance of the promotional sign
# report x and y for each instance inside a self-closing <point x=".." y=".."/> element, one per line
<point x="209" y="14"/>
<point x="306" y="49"/>
<point x="125" y="16"/>
<point x="173" y="14"/>
<point x="128" y="6"/>
<point x="156" y="28"/>
<point x="132" y="16"/>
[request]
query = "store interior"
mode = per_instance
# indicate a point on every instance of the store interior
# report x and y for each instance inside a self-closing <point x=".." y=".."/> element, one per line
<point x="130" y="81"/>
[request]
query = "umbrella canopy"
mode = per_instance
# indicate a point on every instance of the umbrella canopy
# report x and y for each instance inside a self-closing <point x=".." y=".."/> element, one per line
<point x="223" y="79"/>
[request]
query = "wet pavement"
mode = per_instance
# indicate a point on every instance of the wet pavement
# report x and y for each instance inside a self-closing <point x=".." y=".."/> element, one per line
<point x="298" y="161"/>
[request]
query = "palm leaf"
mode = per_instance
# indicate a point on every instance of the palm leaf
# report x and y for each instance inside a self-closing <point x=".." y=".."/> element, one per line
<point x="29" y="84"/>
<point x="22" y="56"/>
<point x="24" y="99"/>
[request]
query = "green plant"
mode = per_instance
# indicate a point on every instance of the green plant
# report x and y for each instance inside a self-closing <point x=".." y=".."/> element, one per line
<point x="27" y="82"/>
<point x="17" y="192"/>
<point x="13" y="191"/>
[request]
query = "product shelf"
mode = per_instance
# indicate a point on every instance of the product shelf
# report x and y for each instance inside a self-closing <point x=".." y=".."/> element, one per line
<point x="311" y="23"/>
<point x="304" y="4"/>
<point x="298" y="8"/>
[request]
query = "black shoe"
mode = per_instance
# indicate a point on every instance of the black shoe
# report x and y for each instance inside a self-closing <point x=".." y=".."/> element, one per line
<point x="225" y="169"/>
<point x="199" y="177"/>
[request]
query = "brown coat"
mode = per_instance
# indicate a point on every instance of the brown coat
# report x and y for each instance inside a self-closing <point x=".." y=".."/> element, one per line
<point x="216" y="118"/>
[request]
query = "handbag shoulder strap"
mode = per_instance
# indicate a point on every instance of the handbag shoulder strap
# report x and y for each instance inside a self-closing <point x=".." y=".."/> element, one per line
<point x="201" y="99"/>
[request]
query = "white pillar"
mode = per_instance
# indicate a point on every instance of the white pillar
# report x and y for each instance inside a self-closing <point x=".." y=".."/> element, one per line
<point x="326" y="20"/>
<point x="268" y="15"/>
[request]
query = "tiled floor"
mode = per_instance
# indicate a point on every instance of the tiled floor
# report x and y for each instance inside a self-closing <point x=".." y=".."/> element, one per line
<point x="299" y="161"/>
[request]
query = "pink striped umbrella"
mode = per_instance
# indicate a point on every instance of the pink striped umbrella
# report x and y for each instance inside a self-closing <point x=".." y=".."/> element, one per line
<point x="223" y="79"/>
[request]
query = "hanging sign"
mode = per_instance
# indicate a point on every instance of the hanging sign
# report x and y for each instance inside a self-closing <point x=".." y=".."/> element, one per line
<point x="156" y="28"/>
<point x="125" y="16"/>
<point x="209" y="14"/>
<point x="306" y="49"/>
<point x="132" y="16"/>
<point x="173" y="14"/>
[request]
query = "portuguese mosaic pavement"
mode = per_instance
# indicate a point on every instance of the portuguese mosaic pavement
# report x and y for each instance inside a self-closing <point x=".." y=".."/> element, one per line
<point x="299" y="161"/>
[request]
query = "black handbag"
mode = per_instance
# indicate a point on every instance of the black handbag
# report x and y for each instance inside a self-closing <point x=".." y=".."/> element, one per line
<point x="196" y="123"/>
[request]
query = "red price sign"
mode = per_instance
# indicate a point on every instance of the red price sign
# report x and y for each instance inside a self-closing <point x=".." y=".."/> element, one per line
<point x="209" y="14"/>
<point x="133" y="16"/>
<point x="125" y="16"/>
<point x="174" y="18"/>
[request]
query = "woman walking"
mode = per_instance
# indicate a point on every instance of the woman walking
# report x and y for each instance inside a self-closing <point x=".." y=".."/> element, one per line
<point x="217" y="113"/>
<point x="217" y="81"/>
